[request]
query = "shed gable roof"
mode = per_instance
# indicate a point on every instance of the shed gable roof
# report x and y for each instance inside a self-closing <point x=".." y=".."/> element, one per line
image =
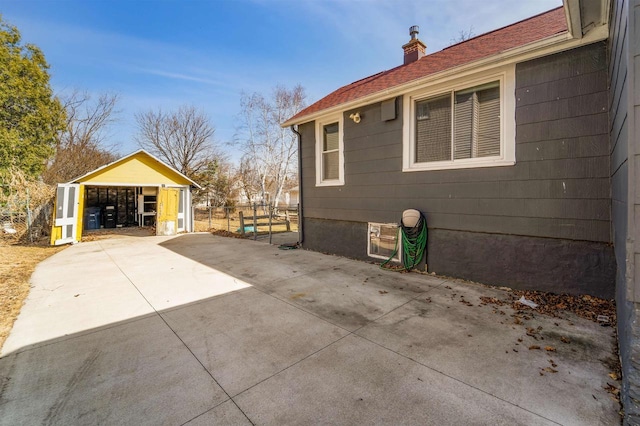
<point x="516" y="35"/>
<point x="138" y="168"/>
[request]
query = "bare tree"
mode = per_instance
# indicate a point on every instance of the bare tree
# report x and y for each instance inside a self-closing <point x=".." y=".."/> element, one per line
<point x="463" y="35"/>
<point x="270" y="150"/>
<point x="82" y="146"/>
<point x="183" y="138"/>
<point x="248" y="178"/>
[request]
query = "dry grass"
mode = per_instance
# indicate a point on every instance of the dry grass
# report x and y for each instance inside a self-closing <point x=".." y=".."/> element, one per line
<point x="219" y="222"/>
<point x="17" y="265"/>
<point x="105" y="234"/>
<point x="203" y="226"/>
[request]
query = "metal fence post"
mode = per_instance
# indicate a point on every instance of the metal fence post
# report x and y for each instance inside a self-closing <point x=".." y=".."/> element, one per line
<point x="255" y="222"/>
<point x="270" y="217"/>
<point x="209" y="216"/>
<point x="29" y="219"/>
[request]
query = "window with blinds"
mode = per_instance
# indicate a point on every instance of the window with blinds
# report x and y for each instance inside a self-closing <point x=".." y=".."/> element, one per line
<point x="459" y="125"/>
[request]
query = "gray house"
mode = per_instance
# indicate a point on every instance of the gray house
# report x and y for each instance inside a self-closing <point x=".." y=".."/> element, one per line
<point x="518" y="145"/>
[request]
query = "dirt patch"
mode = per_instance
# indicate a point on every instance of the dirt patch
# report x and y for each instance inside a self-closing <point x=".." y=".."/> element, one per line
<point x="17" y="265"/>
<point x="102" y="234"/>
<point x="223" y="233"/>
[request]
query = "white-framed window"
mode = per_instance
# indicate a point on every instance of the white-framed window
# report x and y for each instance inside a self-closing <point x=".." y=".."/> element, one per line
<point x="329" y="151"/>
<point x="464" y="123"/>
<point x="381" y="241"/>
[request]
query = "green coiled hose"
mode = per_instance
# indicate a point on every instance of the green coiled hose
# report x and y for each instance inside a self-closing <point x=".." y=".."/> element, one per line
<point x="414" y="244"/>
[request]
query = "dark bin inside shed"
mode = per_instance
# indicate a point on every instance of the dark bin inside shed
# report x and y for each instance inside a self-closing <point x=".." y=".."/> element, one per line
<point x="92" y="217"/>
<point x="110" y="217"/>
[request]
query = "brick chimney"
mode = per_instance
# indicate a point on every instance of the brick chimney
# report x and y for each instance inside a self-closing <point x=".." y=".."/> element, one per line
<point x="415" y="49"/>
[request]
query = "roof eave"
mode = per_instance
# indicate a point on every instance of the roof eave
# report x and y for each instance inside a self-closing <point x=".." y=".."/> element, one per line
<point x="543" y="47"/>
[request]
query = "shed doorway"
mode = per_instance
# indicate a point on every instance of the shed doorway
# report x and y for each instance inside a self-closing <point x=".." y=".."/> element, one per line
<point x="116" y="207"/>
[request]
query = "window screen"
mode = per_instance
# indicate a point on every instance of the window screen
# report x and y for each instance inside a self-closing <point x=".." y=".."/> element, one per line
<point x="330" y="152"/>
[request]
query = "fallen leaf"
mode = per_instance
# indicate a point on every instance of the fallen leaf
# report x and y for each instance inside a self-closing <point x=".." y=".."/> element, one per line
<point x="549" y="370"/>
<point x="612" y="389"/>
<point x="613" y="375"/>
<point x="383" y="291"/>
<point x="491" y="300"/>
<point x="532" y="347"/>
<point x="549" y="349"/>
<point x="76" y="295"/>
<point x="564" y="339"/>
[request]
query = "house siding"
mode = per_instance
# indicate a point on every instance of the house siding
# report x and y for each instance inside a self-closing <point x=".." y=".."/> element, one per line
<point x="559" y="187"/>
<point x="624" y="104"/>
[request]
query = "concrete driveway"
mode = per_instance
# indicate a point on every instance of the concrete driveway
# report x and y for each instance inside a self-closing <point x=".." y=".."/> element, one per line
<point x="201" y="330"/>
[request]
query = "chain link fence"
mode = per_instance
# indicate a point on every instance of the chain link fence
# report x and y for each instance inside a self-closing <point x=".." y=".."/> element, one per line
<point x="20" y="222"/>
<point x="266" y="217"/>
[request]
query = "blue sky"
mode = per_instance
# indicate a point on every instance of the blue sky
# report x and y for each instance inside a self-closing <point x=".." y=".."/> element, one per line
<point x="167" y="53"/>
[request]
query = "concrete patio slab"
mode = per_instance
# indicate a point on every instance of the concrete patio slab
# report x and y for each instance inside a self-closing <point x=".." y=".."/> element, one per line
<point x="352" y="295"/>
<point x="262" y="267"/>
<point x="358" y="382"/>
<point x="137" y="372"/>
<point x="197" y="329"/>
<point x="440" y="330"/>
<point x="169" y="284"/>
<point x="246" y="337"/>
<point x="78" y="289"/>
<point x="224" y="414"/>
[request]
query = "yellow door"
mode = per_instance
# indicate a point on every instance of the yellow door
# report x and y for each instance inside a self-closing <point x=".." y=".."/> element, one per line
<point x="168" y="211"/>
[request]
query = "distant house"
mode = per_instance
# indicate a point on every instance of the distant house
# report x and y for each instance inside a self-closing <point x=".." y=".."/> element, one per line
<point x="136" y="190"/>
<point x="292" y="197"/>
<point x="519" y="145"/>
<point x="288" y="197"/>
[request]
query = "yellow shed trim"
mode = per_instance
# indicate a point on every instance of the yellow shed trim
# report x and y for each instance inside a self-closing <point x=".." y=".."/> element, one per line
<point x="139" y="169"/>
<point x="80" y="223"/>
<point x="56" y="231"/>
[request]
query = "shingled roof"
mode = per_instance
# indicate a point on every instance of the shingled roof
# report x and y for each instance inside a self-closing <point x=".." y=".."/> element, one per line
<point x="528" y="31"/>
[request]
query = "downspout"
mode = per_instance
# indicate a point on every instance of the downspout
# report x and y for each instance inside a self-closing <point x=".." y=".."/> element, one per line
<point x="300" y="214"/>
